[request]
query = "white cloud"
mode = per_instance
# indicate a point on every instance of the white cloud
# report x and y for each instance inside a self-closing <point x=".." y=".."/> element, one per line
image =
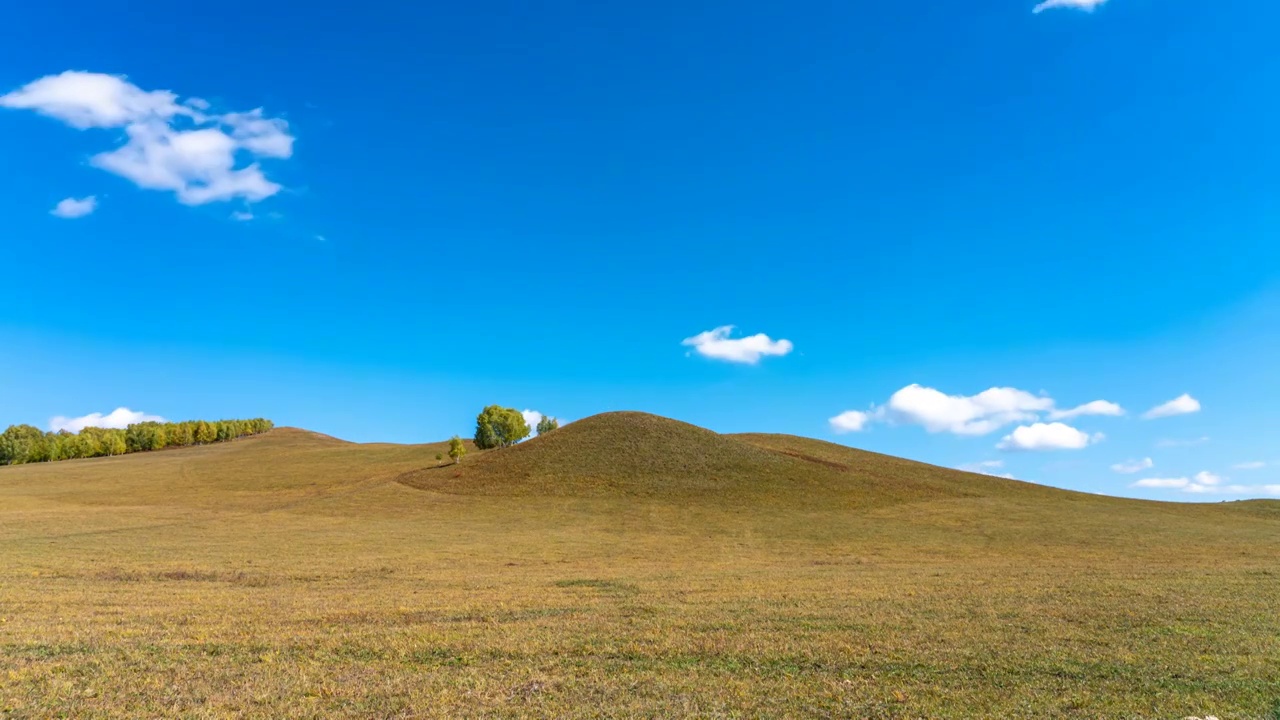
<point x="964" y="415"/>
<point x="1097" y="407"/>
<point x="716" y="344"/>
<point x="1271" y="490"/>
<point x="1182" y="405"/>
<point x="1173" y="443"/>
<point x="1255" y="465"/>
<point x="1204" y="477"/>
<point x="850" y="421"/>
<point x="1047" y="436"/>
<point x="1129" y="467"/>
<point x="196" y="165"/>
<point x="75" y="208"/>
<point x="171" y="146"/>
<point x="118" y="418"/>
<point x="87" y="100"/>
<point x="1086" y="5"/>
<point x="1162" y="483"/>
<point x="241" y="216"/>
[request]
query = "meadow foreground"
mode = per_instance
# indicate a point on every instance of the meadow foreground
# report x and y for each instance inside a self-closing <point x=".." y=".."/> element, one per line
<point x="623" y="566"/>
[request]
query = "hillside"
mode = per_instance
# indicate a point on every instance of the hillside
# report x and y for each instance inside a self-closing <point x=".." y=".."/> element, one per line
<point x="626" y="562"/>
<point x="638" y="454"/>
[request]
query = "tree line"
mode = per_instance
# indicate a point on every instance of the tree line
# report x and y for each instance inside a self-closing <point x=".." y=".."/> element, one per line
<point x="27" y="444"/>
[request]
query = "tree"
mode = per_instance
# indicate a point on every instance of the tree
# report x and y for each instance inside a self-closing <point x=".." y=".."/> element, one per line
<point x="497" y="426"/>
<point x="179" y="434"/>
<point x="17" y="443"/>
<point x="457" y="449"/>
<point x="205" y="432"/>
<point x="143" y="436"/>
<point x="547" y="424"/>
<point x="113" y="443"/>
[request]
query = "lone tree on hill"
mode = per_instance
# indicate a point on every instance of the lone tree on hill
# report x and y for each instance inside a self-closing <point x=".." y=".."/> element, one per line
<point x="457" y="449"/>
<point x="547" y="424"/>
<point x="497" y="427"/>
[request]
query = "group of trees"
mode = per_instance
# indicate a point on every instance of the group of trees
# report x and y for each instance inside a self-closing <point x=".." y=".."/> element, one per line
<point x="498" y="427"/>
<point x="26" y="444"/>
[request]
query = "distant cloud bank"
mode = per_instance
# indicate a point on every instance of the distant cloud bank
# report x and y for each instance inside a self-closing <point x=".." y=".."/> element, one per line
<point x="119" y="418"/>
<point x="982" y="414"/>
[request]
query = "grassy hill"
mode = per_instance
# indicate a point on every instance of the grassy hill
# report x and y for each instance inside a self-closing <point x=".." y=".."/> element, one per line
<point x="638" y="454"/>
<point x="624" y="565"/>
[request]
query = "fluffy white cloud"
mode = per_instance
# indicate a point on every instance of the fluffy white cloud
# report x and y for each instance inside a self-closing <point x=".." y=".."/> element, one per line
<point x="1047" y="436"/>
<point x="171" y="146"/>
<point x="850" y="421"/>
<point x="75" y="208"/>
<point x="1162" y="483"/>
<point x="119" y="418"/>
<point x="717" y="344"/>
<point x="1086" y="5"/>
<point x="1182" y="405"/>
<point x="964" y="415"/>
<point x="1097" y="407"/>
<point x="1129" y="467"/>
<point x="1255" y="465"/>
<point x="199" y="166"/>
<point x="86" y="100"/>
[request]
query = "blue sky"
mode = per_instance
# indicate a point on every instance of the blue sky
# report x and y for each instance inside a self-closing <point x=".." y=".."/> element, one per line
<point x="456" y="206"/>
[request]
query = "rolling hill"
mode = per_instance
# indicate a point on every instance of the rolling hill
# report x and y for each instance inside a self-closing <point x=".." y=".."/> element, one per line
<point x="625" y="565"/>
<point x="638" y="454"/>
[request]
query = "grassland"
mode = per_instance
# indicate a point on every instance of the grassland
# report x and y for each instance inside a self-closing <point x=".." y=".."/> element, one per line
<point x="623" y="566"/>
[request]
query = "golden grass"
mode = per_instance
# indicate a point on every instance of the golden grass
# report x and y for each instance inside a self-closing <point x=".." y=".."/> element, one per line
<point x="627" y="567"/>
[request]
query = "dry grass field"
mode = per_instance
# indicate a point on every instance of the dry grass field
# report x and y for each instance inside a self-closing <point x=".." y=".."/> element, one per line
<point x="622" y="566"/>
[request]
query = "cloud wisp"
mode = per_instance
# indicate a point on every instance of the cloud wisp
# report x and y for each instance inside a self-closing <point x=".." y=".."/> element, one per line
<point x="987" y="467"/>
<point x="72" y="208"/>
<point x="718" y="345"/>
<point x="1086" y="5"/>
<point x="1184" y="404"/>
<point x="1097" y="407"/>
<point x="1131" y="467"/>
<point x="1179" y="482"/>
<point x="180" y="147"/>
